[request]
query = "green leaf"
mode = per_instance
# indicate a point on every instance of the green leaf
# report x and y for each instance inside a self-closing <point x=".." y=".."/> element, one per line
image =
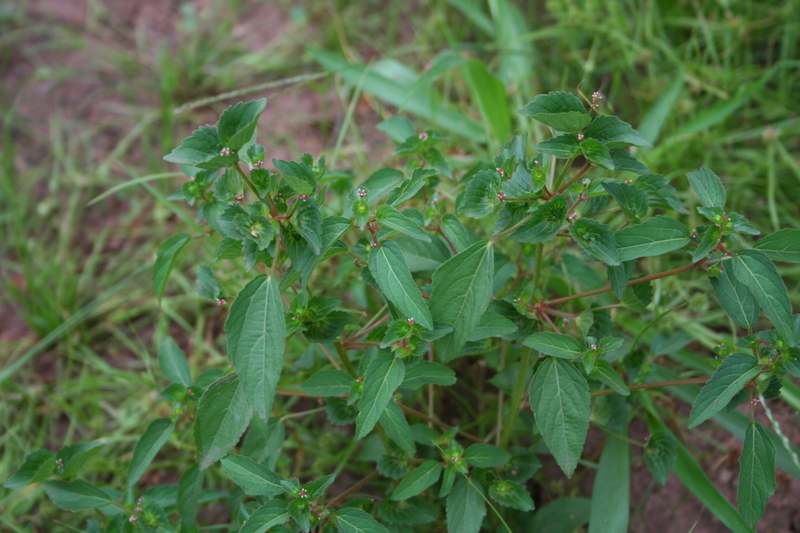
<point x="596" y="240"/>
<point x="625" y="161"/>
<point x="655" y="236"/>
<point x="222" y="417"/>
<point x="465" y="507"/>
<point x="707" y="186"/>
<point x="173" y="363"/>
<point x="783" y="245"/>
<point x="384" y="374"/>
<point x="614" y="133"/>
<point x="486" y="456"/>
<point x="208" y="285"/>
<point x="555" y="344"/>
<point x="190" y="487"/>
<point x="328" y="383"/>
<point x="735" y="298"/>
<point x="353" y="520"/>
<point x="618" y="277"/>
<point x="256" y="331"/>
<point x="74" y="457"/>
<point x="597" y="153"/>
<point x="480" y="197"/>
<point x="633" y="202"/>
<point x="397" y="128"/>
<point x="147" y="447"/>
<point x="564" y="146"/>
<point x="396" y="426"/>
<point x="389" y="268"/>
<point x="756" y="475"/>
<point x="612" y="488"/>
<point x="709" y="241"/>
<point x="561" y="111"/>
<point x="426" y="372"/>
<point x="490" y="95"/>
<point x="757" y="272"/>
<point x="269" y="515"/>
<point x="202" y="149"/>
<point x="410" y="187"/>
<point x="298" y="176"/>
<point x="392" y="218"/>
<point x="559" y="396"/>
<point x="253" y="478"/>
<point x="418" y="480"/>
<point x="460" y="292"/>
<point x="660" y="453"/>
<point x="511" y="494"/>
<point x="492" y="325"/>
<point x="237" y="124"/>
<point x="165" y="260"/>
<point x="545" y="222"/>
<point x="606" y="373"/>
<point x="74" y="496"/>
<point x="37" y="466"/>
<point x="308" y="221"/>
<point x="734" y="372"/>
<point x="565" y="515"/>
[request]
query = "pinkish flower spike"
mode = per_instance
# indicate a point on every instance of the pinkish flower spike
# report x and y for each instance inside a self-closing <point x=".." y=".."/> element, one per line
<point x="580" y="136"/>
<point x="225" y="151"/>
<point x="423" y="136"/>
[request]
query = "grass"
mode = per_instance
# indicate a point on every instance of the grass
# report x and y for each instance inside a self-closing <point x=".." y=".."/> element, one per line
<point x="714" y="85"/>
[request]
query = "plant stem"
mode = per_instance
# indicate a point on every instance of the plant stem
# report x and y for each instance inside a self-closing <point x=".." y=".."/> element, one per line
<point x="427" y="418"/>
<point x="345" y="360"/>
<point x="370" y="326"/>
<point x="515" y="404"/>
<point x="578" y="176"/>
<point x="511" y="229"/>
<point x="352" y="489"/>
<point x="659" y="384"/>
<point x="560" y="178"/>
<point x="249" y="183"/>
<point x="644" y="279"/>
<point x="537" y="265"/>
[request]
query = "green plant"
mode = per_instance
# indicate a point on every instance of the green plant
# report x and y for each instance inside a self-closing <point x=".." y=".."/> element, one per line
<point x="387" y="300"/>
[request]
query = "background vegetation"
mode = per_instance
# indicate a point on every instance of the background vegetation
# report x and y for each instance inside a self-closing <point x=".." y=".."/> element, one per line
<point x="94" y="93"/>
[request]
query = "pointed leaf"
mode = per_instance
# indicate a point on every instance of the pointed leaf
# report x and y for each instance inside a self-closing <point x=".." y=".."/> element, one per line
<point x="614" y="133"/>
<point x="490" y="95"/>
<point x="757" y="272"/>
<point x="460" y="292"/>
<point x="596" y="240"/>
<point x="222" y="417"/>
<point x="707" y="186"/>
<point x="465" y="507"/>
<point x="75" y="456"/>
<point x="207" y="285"/>
<point x="253" y="478"/>
<point x="486" y="456"/>
<point x="564" y="146"/>
<point x="560" y="400"/>
<point x="660" y="453"/>
<point x="492" y="325"/>
<point x="511" y="494"/>
<point x="238" y="123"/>
<point x="756" y="475"/>
<point x="633" y="202"/>
<point x="147" y="447"/>
<point x="37" y="466"/>
<point x="612" y="489"/>
<point x="783" y="245"/>
<point x="202" y="149"/>
<point x="74" y="496"/>
<point x="173" y="363"/>
<point x="655" y="236"/>
<point x="735" y="298"/>
<point x="165" y="260"/>
<point x="308" y="221"/>
<point x="256" y="331"/>
<point x="618" y="277"/>
<point x="597" y="153"/>
<point x="426" y="372"/>
<point x="734" y="372"/>
<point x="418" y="480"/>
<point x="353" y="520"/>
<point x="396" y="426"/>
<point x="709" y="241"/>
<point x="298" y="176"/>
<point x="190" y="486"/>
<point x="410" y="187"/>
<point x="545" y="222"/>
<point x="328" y="383"/>
<point x="555" y="344"/>
<point x="389" y="268"/>
<point x="606" y="373"/>
<point x="392" y="218"/>
<point x="480" y="197"/>
<point x="384" y="374"/>
<point x="269" y="515"/>
<point x="561" y="111"/>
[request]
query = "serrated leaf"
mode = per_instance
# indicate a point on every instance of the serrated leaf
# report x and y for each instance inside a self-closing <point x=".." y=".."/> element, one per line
<point x="783" y="245"/>
<point x="559" y="396"/>
<point x="480" y="196"/>
<point x="736" y="299"/>
<point x="384" y="374"/>
<point x="734" y="372"/>
<point x="190" y="486"/>
<point x="511" y="494"/>
<point x="237" y="124"/>
<point x="596" y="239"/>
<point x="165" y="261"/>
<point x="492" y="325"/>
<point x="406" y="512"/>
<point x="436" y="159"/>
<point x="298" y="176"/>
<point x="555" y="344"/>
<point x="409" y="187"/>
<point x="606" y="373"/>
<point x="709" y="241"/>
<point x="611" y="490"/>
<point x="660" y="453"/>
<point x="202" y="149"/>
<point x="389" y="268"/>
<point x="426" y="372"/>
<point x="486" y="456"/>
<point x="625" y="161"/>
<point x="208" y="285"/>
<point x="147" y="447"/>
<point x="328" y="383"/>
<point x="74" y="496"/>
<point x="564" y="515"/>
<point x="564" y="146"/>
<point x="37" y="466"/>
<point x="308" y="221"/>
<point x="253" y="478"/>
<point x="545" y="222"/>
<point x="222" y="417"/>
<point x="460" y="293"/>
<point x="75" y="456"/>
<point x="396" y="426"/>
<point x="707" y="186"/>
<point x="614" y="133"/>
<point x="173" y="363"/>
<point x="633" y="202"/>
<point x="353" y="520"/>
<point x="418" y="480"/>
<point x="757" y="272"/>
<point x="269" y="515"/>
<point x="256" y="334"/>
<point x="561" y="111"/>
<point x="597" y="153"/>
<point x="465" y="507"/>
<point x="660" y="192"/>
<point x="756" y="474"/>
<point x="655" y="236"/>
<point x="392" y="218"/>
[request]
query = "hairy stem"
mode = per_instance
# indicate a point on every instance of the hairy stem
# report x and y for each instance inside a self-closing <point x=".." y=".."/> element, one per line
<point x="439" y="423"/>
<point x="352" y="489"/>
